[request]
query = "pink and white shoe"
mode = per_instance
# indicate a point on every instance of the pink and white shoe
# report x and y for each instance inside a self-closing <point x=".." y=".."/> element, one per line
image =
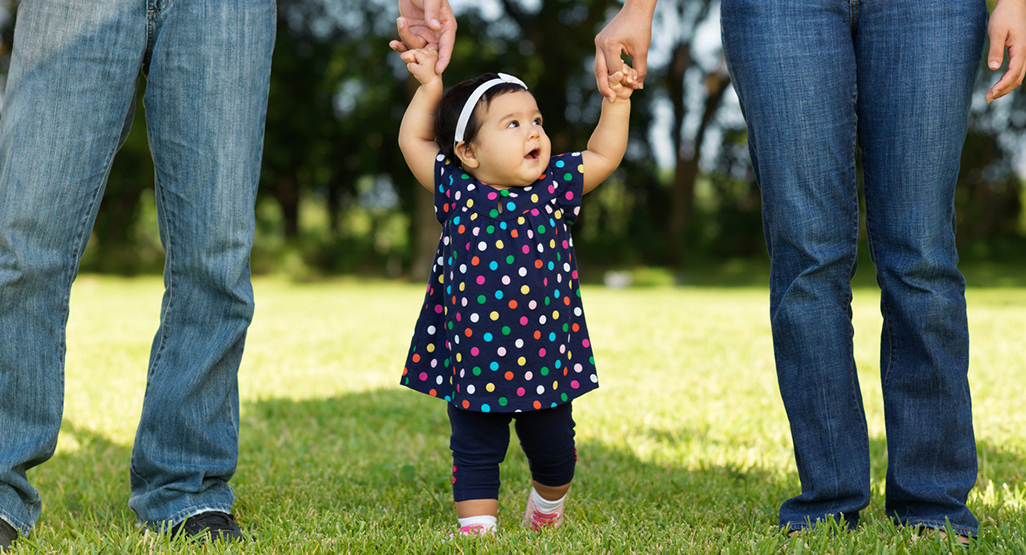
<point x="536" y="520"/>
<point x="471" y="530"/>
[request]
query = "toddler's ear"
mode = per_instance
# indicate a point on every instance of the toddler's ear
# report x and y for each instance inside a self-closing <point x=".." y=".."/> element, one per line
<point x="466" y="154"/>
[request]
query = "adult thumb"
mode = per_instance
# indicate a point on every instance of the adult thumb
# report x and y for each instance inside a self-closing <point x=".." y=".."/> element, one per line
<point x="432" y="15"/>
<point x="640" y="64"/>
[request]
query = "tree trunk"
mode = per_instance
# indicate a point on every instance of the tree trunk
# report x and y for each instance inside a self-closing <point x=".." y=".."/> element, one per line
<point x="682" y="194"/>
<point x="427" y="231"/>
<point x="287" y="195"/>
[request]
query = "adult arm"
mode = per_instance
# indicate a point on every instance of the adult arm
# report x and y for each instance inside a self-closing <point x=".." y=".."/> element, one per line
<point x="629" y="31"/>
<point x="1007" y="29"/>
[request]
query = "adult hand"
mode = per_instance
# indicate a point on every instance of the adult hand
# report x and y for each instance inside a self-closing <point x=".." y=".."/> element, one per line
<point x="426" y="24"/>
<point x="1007" y="29"/>
<point x="629" y="31"/>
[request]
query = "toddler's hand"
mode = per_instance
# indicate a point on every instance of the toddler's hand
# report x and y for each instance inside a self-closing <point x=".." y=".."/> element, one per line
<point x="621" y="82"/>
<point x="421" y="63"/>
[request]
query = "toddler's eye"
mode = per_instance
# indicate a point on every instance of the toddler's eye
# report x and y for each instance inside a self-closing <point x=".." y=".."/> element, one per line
<point x="537" y="121"/>
<point x="512" y="124"/>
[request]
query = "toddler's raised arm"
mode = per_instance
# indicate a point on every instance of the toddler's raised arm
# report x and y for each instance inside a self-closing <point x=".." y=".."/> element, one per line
<point x="417" y="131"/>
<point x="609" y="140"/>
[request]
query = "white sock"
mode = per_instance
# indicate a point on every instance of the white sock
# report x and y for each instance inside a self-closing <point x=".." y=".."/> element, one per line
<point x="544" y="505"/>
<point x="487" y="521"/>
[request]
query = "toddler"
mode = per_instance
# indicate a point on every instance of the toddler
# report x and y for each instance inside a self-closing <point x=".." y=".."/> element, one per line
<point x="501" y="335"/>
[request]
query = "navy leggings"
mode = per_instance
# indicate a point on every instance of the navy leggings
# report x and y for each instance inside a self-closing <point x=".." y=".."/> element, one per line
<point x="480" y="440"/>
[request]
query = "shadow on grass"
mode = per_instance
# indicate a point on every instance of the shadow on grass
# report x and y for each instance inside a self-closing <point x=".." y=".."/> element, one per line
<point x="378" y="462"/>
<point x="87" y="481"/>
<point x="386" y="452"/>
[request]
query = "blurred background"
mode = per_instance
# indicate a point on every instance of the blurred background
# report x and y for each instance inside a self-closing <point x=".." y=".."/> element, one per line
<point x="337" y="198"/>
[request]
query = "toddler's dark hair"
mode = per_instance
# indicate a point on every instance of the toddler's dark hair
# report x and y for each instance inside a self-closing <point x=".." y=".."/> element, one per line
<point x="449" y="108"/>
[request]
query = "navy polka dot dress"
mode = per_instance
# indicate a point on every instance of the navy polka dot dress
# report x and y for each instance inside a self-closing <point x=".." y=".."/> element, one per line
<point x="502" y="327"/>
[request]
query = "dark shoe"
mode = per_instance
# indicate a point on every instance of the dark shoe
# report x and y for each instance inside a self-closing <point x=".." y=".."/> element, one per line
<point x="7" y="535"/>
<point x="941" y="534"/>
<point x="213" y="525"/>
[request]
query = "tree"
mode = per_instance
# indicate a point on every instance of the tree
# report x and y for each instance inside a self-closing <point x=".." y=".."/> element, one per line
<point x="704" y="99"/>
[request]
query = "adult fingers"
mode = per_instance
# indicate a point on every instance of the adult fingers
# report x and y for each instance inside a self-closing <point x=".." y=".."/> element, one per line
<point x="398" y="45"/>
<point x="997" y="52"/>
<point x="640" y="64"/>
<point x="602" y="74"/>
<point x="432" y="15"/>
<point x="1013" y="76"/>
<point x="408" y="36"/>
<point x="446" y="38"/>
<point x="1008" y="82"/>
<point x="445" y="43"/>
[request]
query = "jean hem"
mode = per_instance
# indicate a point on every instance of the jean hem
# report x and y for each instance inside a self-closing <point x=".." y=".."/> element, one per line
<point x="850" y="522"/>
<point x="789" y="527"/>
<point x="185" y="514"/>
<point x="15" y="523"/>
<point x="941" y="525"/>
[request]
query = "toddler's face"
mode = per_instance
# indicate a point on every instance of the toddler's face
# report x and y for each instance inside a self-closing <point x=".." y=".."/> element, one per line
<point x="511" y="147"/>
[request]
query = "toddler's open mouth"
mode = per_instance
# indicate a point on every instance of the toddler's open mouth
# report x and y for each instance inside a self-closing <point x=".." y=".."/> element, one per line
<point x="533" y="155"/>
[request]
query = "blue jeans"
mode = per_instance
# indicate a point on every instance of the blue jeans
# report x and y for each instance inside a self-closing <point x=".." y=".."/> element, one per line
<point x="818" y="79"/>
<point x="68" y="105"/>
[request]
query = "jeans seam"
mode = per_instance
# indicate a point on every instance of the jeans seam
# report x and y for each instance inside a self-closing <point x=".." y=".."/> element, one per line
<point x="169" y="257"/>
<point x="885" y="311"/>
<point x="856" y="400"/>
<point x="887" y="328"/>
<point x="150" y="35"/>
<point x="162" y="6"/>
<point x="154" y="8"/>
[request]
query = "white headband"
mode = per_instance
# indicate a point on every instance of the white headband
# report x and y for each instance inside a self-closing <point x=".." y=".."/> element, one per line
<point x="468" y="108"/>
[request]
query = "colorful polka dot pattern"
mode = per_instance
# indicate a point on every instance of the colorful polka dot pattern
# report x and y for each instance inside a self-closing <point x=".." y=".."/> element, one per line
<point x="502" y="327"/>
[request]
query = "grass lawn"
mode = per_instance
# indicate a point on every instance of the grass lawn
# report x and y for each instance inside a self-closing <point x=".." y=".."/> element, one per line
<point x="684" y="449"/>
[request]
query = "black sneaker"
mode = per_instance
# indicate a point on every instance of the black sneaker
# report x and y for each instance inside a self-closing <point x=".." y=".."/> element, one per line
<point x="7" y="535"/>
<point x="213" y="525"/>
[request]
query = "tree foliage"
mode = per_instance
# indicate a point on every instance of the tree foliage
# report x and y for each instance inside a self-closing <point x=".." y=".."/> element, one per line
<point x="336" y="196"/>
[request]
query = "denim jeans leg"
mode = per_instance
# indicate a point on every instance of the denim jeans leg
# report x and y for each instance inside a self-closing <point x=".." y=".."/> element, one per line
<point x="913" y="112"/>
<point x="68" y="102"/>
<point x="793" y="67"/>
<point x="206" y="100"/>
